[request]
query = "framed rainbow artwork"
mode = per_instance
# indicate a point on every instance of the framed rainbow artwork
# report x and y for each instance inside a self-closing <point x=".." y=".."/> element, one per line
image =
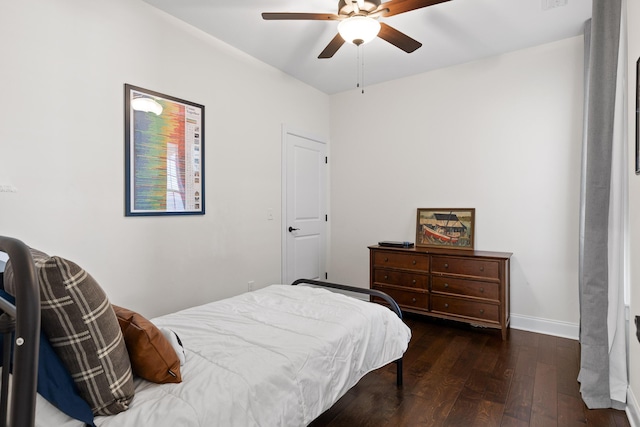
<point x="164" y="154"/>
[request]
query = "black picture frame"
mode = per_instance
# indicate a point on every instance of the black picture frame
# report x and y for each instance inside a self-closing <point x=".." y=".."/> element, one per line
<point x="164" y="154"/>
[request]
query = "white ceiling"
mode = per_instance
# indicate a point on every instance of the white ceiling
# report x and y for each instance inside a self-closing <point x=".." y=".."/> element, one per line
<point x="451" y="33"/>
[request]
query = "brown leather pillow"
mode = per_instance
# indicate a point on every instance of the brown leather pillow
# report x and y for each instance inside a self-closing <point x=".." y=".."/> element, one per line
<point x="152" y="356"/>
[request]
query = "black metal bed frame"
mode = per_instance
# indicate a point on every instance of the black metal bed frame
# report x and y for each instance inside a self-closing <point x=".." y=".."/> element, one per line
<point x="393" y="305"/>
<point x="24" y="319"/>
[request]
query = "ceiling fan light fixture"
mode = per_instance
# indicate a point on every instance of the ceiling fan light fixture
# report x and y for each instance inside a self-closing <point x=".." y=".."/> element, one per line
<point x="359" y="29"/>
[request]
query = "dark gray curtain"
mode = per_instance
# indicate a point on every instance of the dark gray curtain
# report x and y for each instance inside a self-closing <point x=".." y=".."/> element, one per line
<point x="602" y="38"/>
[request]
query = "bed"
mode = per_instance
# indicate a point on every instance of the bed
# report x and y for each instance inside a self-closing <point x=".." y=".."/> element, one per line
<point x="278" y="356"/>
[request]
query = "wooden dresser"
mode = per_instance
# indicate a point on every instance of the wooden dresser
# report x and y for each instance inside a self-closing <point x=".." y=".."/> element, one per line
<point x="467" y="286"/>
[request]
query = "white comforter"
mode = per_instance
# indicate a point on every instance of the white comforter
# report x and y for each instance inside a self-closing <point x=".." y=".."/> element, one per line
<point x="279" y="356"/>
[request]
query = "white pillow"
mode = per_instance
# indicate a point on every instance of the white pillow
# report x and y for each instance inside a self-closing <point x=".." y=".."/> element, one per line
<point x="175" y="342"/>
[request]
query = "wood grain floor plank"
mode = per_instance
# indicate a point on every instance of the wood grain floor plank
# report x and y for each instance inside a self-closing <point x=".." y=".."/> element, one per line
<point x="487" y="359"/>
<point x="412" y="413"/>
<point x="568" y="367"/>
<point x="421" y="359"/>
<point x="571" y="411"/>
<point x="440" y="393"/>
<point x="547" y="347"/>
<point x="497" y="389"/>
<point x="502" y="374"/>
<point x="508" y="421"/>
<point x="466" y="361"/>
<point x="520" y="397"/>
<point x="488" y="414"/>
<point x="527" y="361"/>
<point x="476" y="385"/>
<point x="620" y="419"/>
<point x="520" y="338"/>
<point x="544" y="408"/>
<point x="599" y="417"/>
<point x="464" y="411"/>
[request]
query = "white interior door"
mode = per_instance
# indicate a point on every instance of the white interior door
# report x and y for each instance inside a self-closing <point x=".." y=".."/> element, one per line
<point x="304" y="207"/>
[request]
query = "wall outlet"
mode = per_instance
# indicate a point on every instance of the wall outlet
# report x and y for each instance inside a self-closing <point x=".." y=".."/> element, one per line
<point x="251" y="285"/>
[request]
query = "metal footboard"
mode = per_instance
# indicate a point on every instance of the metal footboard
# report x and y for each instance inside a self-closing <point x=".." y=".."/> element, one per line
<point x="24" y="318"/>
<point x="393" y="305"/>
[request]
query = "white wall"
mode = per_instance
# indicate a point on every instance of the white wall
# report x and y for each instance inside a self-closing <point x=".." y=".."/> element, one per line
<point x="64" y="64"/>
<point x="633" y="32"/>
<point x="502" y="135"/>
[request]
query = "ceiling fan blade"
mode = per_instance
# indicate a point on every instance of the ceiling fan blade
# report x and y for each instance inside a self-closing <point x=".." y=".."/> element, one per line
<point x="397" y="7"/>
<point x="332" y="47"/>
<point x="397" y="38"/>
<point x="301" y="16"/>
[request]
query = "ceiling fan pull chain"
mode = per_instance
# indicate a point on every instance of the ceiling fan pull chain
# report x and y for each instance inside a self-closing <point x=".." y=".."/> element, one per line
<point x="362" y="77"/>
<point x="358" y="66"/>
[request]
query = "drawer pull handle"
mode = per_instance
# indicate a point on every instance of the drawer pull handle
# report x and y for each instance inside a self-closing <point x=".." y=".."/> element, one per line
<point x="413" y="262"/>
<point x="481" y="311"/>
<point x="482" y="268"/>
<point x="446" y="265"/>
<point x="413" y="300"/>
<point x="386" y="259"/>
<point x="482" y="290"/>
<point x="386" y="277"/>
<point x="446" y="285"/>
<point x="414" y="281"/>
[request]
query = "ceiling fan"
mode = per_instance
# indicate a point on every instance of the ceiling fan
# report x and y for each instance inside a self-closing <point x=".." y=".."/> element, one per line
<point x="359" y="22"/>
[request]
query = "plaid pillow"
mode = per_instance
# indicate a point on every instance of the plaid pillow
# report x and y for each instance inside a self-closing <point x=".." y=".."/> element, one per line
<point x="81" y="326"/>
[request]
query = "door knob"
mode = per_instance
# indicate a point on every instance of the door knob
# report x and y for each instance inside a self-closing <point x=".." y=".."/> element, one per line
<point x="293" y="229"/>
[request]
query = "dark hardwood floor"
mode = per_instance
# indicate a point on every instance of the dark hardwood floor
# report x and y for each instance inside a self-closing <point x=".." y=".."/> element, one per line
<point x="456" y="375"/>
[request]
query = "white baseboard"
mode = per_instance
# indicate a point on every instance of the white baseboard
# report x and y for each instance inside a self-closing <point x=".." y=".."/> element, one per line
<point x="633" y="410"/>
<point x="546" y="326"/>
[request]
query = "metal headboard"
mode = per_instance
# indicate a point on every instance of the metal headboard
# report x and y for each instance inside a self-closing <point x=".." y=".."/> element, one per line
<point x="26" y="314"/>
<point x="393" y="305"/>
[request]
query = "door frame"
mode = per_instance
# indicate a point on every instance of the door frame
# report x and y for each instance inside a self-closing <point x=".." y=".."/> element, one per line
<point x="287" y="130"/>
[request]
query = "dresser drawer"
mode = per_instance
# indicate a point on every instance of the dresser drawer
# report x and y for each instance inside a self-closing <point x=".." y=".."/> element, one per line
<point x="466" y="267"/>
<point x="401" y="260"/>
<point x="450" y="285"/>
<point x="410" y="299"/>
<point x="465" y="308"/>
<point x="399" y="278"/>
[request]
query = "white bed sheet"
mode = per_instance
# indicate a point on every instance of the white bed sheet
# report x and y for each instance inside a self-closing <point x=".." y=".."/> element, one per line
<point x="279" y="356"/>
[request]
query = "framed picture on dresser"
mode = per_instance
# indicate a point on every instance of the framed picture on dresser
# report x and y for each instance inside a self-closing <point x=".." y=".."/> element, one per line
<point x="452" y="228"/>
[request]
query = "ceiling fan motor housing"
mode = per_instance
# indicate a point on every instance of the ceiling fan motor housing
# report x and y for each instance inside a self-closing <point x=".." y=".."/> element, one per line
<point x="346" y="7"/>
